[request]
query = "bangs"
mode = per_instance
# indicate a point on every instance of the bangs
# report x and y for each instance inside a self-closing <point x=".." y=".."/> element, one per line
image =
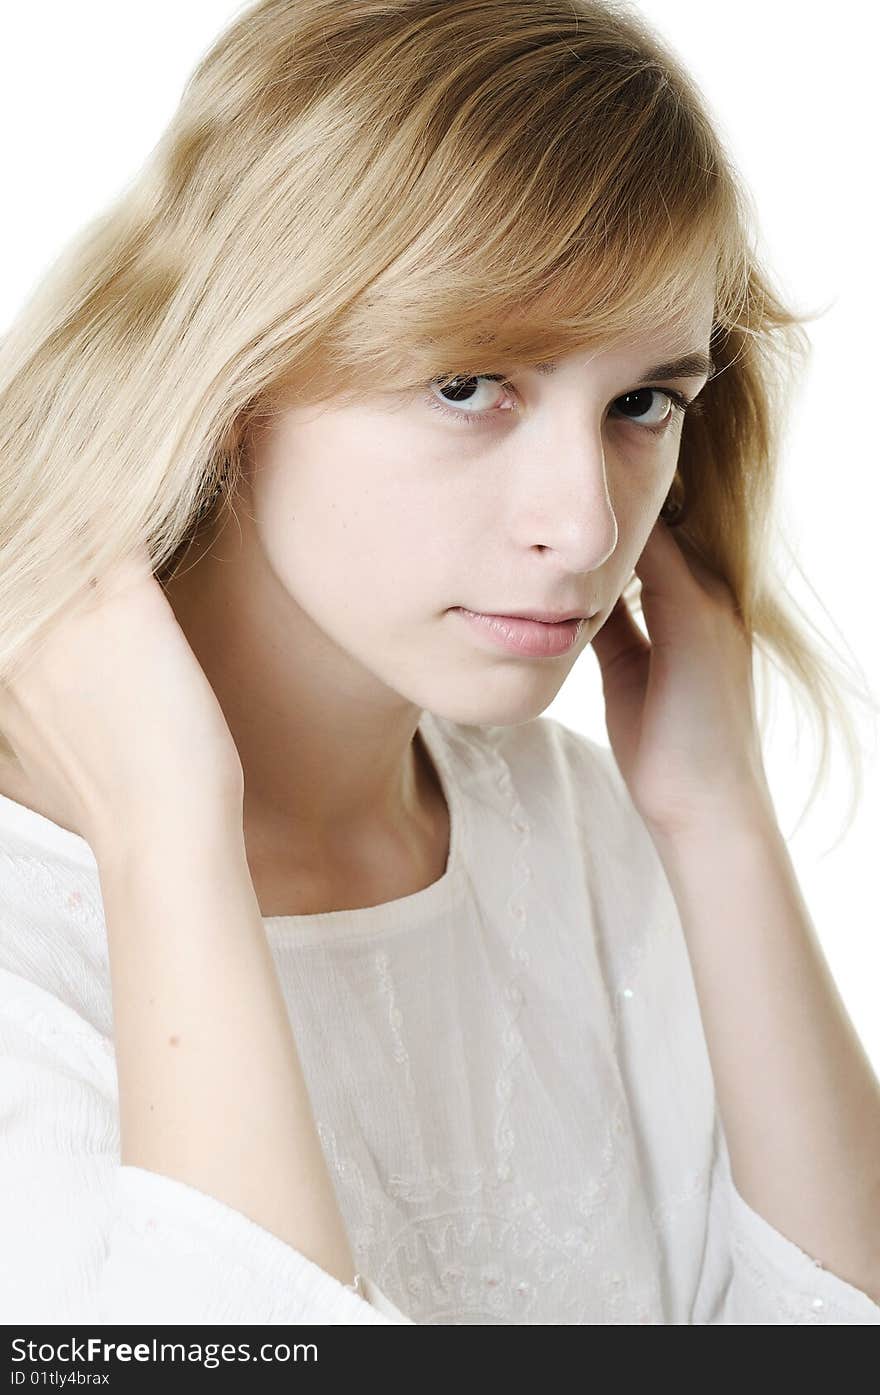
<point x="536" y="247"/>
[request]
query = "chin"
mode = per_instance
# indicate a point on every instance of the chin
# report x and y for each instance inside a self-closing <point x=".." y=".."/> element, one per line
<point x="483" y="709"/>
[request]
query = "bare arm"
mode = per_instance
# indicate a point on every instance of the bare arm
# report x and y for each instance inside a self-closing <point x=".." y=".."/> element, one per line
<point x="113" y="715"/>
<point x="211" y="1089"/>
<point x="798" y="1097"/>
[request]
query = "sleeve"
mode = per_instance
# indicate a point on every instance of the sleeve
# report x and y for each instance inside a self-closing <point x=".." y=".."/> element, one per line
<point x="720" y="1262"/>
<point x="87" y="1239"/>
<point x="753" y="1275"/>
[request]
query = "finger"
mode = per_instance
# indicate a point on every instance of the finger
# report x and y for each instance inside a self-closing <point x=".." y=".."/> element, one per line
<point x="678" y="590"/>
<point x="669" y="563"/>
<point x="662" y="568"/>
<point x="619" y="638"/>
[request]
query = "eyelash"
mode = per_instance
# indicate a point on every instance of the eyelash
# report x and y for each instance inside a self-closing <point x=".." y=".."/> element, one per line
<point x="680" y="403"/>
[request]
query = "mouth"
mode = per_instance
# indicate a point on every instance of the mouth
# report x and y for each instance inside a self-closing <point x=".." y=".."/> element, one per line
<point x="547" y="617"/>
<point x="524" y="635"/>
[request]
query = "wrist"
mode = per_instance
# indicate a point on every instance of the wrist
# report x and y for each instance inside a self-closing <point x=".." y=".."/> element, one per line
<point x="719" y="824"/>
<point x="146" y="835"/>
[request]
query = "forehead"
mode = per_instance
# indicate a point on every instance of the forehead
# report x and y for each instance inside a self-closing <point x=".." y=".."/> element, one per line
<point x="692" y="359"/>
<point x="684" y="323"/>
<point x="679" y="345"/>
<point x="683" y="330"/>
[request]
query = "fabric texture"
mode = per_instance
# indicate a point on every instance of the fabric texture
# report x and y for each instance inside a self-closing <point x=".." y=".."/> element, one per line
<point x="507" y="1069"/>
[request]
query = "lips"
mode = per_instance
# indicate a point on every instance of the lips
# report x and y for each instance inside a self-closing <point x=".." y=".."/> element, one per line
<point x="546" y="617"/>
<point x="524" y="636"/>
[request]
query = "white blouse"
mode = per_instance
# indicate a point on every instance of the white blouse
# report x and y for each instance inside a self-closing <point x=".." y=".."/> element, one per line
<point x="507" y="1069"/>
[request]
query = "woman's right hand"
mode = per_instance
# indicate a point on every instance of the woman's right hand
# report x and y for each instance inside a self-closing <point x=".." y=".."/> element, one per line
<point x="114" y="718"/>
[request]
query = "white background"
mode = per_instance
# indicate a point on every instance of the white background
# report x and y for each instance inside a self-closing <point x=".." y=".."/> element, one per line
<point x="87" y="89"/>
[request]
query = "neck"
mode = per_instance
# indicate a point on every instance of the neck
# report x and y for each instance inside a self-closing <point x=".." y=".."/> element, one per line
<point x="331" y="756"/>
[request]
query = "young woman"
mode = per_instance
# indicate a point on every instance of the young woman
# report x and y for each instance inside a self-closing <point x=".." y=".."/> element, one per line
<point x="337" y="984"/>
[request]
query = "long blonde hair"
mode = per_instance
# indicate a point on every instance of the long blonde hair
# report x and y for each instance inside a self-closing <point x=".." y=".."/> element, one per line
<point x="374" y="193"/>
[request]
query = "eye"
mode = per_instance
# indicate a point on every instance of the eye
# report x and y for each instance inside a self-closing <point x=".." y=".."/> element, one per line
<point x="638" y="407"/>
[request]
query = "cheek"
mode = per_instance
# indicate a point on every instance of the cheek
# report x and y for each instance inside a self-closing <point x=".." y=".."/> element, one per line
<point x="348" y="538"/>
<point x="645" y="503"/>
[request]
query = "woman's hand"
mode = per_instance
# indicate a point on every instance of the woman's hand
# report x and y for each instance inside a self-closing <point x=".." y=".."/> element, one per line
<point x="680" y="710"/>
<point x="113" y="716"/>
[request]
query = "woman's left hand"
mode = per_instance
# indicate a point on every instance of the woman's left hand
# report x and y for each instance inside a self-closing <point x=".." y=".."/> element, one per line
<point x="680" y="710"/>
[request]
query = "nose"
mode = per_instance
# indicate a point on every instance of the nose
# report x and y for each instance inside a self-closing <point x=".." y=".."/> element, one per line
<point x="563" y="504"/>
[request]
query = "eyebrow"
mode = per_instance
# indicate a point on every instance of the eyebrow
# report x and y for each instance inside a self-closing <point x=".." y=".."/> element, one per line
<point x="693" y="365"/>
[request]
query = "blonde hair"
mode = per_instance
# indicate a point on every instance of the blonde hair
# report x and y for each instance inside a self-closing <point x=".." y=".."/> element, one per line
<point x="374" y="193"/>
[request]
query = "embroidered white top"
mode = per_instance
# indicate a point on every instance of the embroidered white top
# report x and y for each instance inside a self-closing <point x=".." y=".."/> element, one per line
<point x="507" y="1069"/>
